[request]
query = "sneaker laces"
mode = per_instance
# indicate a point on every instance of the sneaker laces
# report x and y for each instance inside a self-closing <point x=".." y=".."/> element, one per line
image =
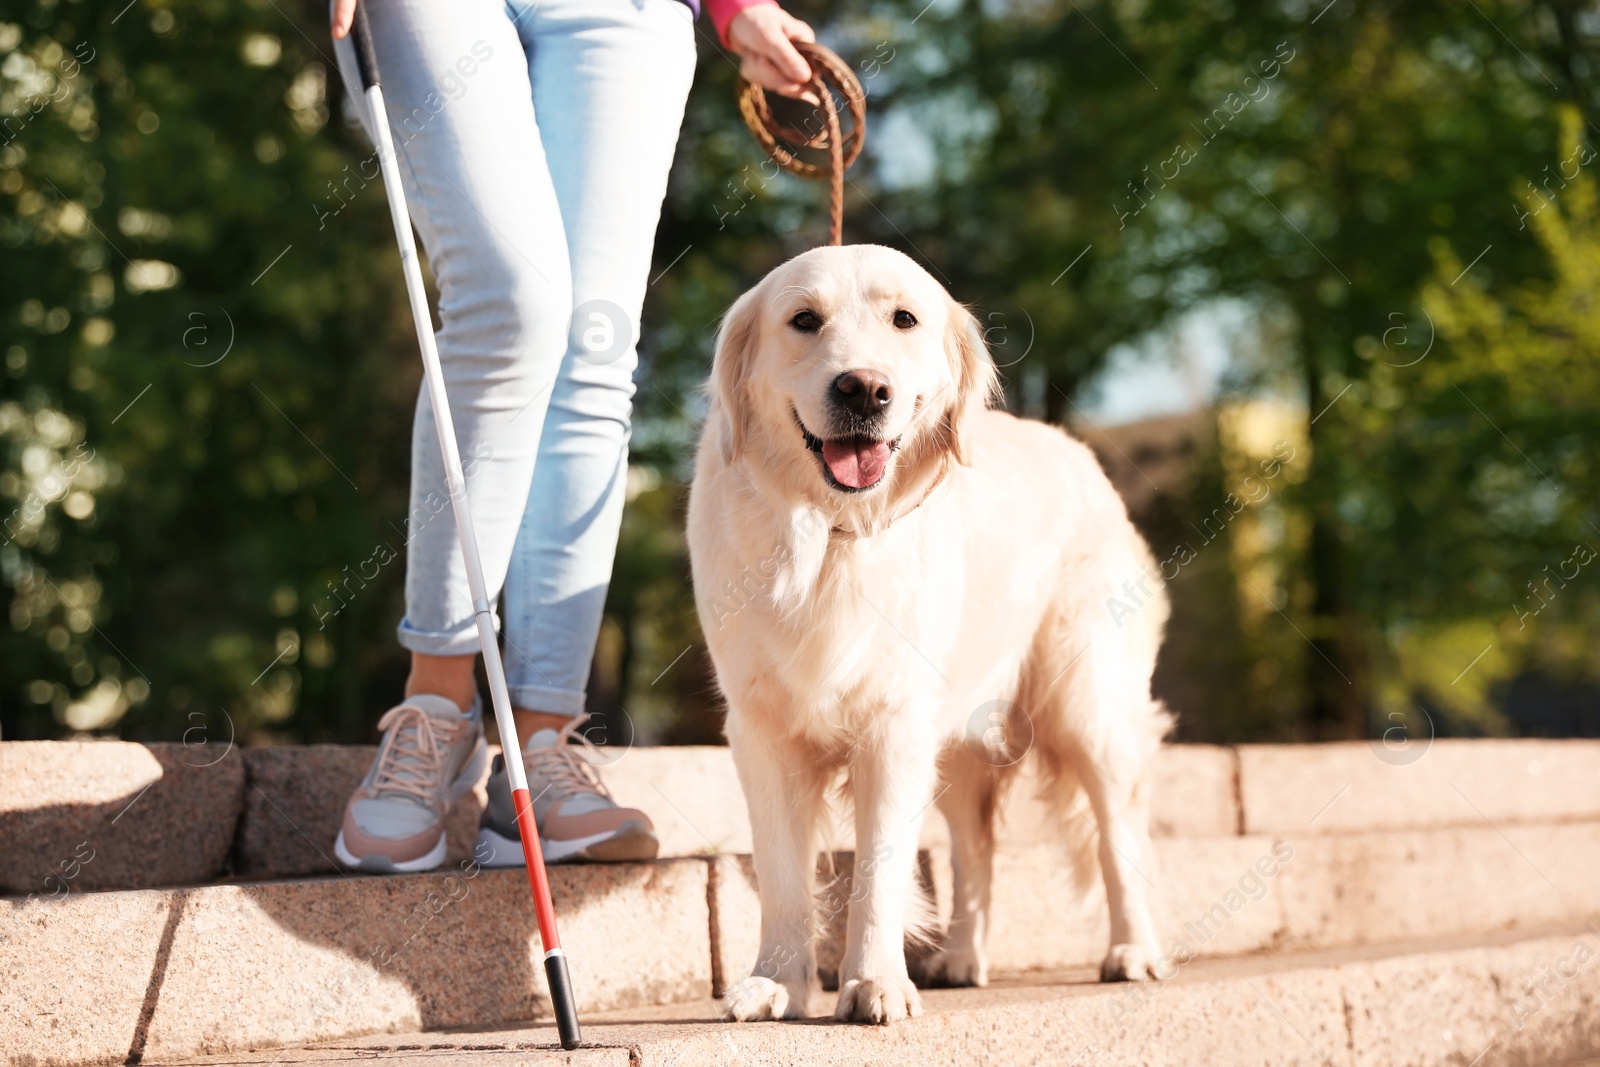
<point x="410" y="761"/>
<point x="561" y="766"/>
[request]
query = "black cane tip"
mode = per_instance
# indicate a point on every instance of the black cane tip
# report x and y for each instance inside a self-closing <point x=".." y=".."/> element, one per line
<point x="562" y="1002"/>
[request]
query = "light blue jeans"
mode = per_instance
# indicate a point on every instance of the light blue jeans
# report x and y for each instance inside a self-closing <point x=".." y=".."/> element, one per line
<point x="535" y="138"/>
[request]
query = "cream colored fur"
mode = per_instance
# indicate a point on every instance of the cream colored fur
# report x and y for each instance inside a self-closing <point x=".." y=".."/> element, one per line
<point x="916" y="637"/>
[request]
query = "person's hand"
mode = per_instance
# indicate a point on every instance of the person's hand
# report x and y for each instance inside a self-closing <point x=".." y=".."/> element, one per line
<point x="344" y="13"/>
<point x="760" y="36"/>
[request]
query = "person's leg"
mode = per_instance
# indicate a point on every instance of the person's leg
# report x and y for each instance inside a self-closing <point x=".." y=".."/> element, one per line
<point x="456" y="83"/>
<point x="609" y="78"/>
<point x="452" y="677"/>
<point x="460" y="107"/>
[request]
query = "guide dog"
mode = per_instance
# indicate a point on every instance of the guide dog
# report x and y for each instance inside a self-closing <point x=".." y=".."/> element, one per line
<point x="904" y="586"/>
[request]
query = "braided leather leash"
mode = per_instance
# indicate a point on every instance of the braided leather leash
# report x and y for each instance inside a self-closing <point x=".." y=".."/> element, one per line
<point x="829" y="75"/>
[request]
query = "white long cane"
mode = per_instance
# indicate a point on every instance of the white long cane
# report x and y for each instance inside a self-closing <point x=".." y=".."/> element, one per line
<point x="555" y="961"/>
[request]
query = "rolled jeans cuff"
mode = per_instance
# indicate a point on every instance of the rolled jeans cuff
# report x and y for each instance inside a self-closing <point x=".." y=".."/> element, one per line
<point x="459" y="640"/>
<point x="549" y="699"/>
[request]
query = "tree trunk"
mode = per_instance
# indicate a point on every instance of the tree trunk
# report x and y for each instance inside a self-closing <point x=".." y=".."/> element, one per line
<point x="1335" y="680"/>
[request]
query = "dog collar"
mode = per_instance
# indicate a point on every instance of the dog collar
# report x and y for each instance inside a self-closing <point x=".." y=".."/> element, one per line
<point x="840" y="533"/>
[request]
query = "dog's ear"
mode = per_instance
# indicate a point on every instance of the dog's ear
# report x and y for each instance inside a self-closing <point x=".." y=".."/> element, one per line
<point x="730" y="368"/>
<point x="977" y="381"/>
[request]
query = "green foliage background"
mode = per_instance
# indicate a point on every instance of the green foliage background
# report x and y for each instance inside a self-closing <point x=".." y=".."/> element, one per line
<point x="209" y="370"/>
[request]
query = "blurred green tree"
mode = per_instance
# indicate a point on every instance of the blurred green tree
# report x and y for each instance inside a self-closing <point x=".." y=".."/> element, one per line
<point x="209" y="372"/>
<point x="1112" y="165"/>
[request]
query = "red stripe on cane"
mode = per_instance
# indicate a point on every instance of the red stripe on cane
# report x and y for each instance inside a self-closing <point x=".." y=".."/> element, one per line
<point x="537" y="878"/>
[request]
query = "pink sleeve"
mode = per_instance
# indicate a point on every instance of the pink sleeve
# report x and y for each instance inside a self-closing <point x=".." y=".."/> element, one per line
<point x="722" y="12"/>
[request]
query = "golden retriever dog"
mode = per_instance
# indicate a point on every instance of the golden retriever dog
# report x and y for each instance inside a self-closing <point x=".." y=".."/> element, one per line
<point x="906" y="589"/>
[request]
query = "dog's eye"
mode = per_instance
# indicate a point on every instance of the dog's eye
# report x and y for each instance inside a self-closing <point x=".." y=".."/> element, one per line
<point x="806" y="321"/>
<point x="904" y="320"/>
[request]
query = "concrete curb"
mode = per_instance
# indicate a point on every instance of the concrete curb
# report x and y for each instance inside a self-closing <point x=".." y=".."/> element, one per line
<point x="115" y="977"/>
<point x="1230" y="896"/>
<point x="84" y="815"/>
<point x="1498" y="1002"/>
<point x="274" y="811"/>
<point x="1361" y="787"/>
<point x="173" y="973"/>
<point x="294" y="801"/>
<point x="124" y="976"/>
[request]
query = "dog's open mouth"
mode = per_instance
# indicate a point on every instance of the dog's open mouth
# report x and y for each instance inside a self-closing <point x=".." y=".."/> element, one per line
<point x="852" y="463"/>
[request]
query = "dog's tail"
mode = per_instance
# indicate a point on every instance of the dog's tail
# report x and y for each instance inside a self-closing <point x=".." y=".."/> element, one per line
<point x="923" y="928"/>
<point x="1061" y="789"/>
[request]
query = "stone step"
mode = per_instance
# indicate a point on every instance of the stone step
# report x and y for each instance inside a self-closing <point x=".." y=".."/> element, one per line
<point x="296" y="798"/>
<point x="1506" y="1001"/>
<point x="109" y="815"/>
<point x="185" y="814"/>
<point x="100" y="977"/>
<point x="1230" y="896"/>
<point x="1415" y="785"/>
<point x="171" y="973"/>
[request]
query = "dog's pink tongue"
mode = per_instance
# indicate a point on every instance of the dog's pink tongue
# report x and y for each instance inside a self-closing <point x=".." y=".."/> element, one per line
<point x="857" y="462"/>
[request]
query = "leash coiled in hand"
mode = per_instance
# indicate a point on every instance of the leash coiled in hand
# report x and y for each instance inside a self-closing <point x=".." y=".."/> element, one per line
<point x="829" y="75"/>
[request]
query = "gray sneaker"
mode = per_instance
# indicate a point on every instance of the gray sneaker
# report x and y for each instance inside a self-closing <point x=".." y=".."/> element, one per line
<point x="576" y="816"/>
<point x="430" y="756"/>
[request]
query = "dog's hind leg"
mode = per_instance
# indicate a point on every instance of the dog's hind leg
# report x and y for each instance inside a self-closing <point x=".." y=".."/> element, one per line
<point x="1115" y="757"/>
<point x="1122" y="813"/>
<point x="1103" y="736"/>
<point x="785" y="802"/>
<point x="968" y="803"/>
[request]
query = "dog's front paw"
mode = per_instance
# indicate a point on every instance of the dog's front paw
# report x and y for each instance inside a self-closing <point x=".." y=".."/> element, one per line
<point x="1131" y="963"/>
<point x="954" y="967"/>
<point x="758" y="998"/>
<point x="873" y="1000"/>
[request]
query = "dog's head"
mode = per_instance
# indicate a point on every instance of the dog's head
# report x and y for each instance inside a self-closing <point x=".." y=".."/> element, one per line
<point x="844" y="366"/>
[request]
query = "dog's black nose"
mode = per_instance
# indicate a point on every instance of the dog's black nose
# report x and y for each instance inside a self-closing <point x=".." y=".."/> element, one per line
<point x="862" y="392"/>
